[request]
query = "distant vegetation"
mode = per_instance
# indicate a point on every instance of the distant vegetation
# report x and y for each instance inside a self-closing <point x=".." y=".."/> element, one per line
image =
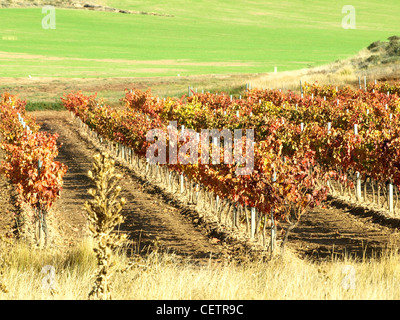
<point x="383" y="52"/>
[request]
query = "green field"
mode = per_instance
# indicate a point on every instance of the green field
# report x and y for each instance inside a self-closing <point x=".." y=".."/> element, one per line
<point x="202" y="37"/>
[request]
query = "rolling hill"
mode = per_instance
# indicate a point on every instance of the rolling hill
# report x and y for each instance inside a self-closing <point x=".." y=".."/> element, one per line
<point x="187" y="37"/>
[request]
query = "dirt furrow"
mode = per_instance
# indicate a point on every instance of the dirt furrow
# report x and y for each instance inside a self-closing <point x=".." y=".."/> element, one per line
<point x="334" y="231"/>
<point x="149" y="220"/>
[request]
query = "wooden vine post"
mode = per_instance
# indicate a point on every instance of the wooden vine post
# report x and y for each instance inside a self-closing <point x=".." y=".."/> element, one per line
<point x="42" y="225"/>
<point x="358" y="181"/>
<point x="390" y="197"/>
<point x="252" y="222"/>
<point x="273" y="226"/>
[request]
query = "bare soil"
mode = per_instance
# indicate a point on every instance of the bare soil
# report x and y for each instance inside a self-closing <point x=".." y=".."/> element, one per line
<point x="153" y="218"/>
<point x="112" y="89"/>
<point x="335" y="231"/>
<point x="149" y="219"/>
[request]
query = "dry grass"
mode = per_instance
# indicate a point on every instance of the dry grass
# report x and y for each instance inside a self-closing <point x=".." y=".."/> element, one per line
<point x="340" y="73"/>
<point x="166" y="276"/>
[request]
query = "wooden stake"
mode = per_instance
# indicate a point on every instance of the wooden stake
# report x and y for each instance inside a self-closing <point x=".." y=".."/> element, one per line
<point x="252" y="223"/>
<point x="390" y="197"/>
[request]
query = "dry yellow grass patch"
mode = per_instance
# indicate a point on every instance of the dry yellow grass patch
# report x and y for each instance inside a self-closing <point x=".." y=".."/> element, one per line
<point x="167" y="276"/>
<point x="339" y="73"/>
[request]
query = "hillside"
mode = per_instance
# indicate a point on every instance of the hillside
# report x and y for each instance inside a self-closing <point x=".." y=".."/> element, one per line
<point x="379" y="61"/>
<point x="185" y="38"/>
<point x="210" y="46"/>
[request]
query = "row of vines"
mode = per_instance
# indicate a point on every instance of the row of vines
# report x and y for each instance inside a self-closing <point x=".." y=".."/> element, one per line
<point x="30" y="165"/>
<point x="303" y="143"/>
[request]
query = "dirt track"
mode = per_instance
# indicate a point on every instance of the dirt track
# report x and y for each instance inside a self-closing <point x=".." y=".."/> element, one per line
<point x="148" y="217"/>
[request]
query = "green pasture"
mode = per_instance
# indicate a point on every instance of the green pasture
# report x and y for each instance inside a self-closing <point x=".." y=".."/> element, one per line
<point x="202" y="37"/>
